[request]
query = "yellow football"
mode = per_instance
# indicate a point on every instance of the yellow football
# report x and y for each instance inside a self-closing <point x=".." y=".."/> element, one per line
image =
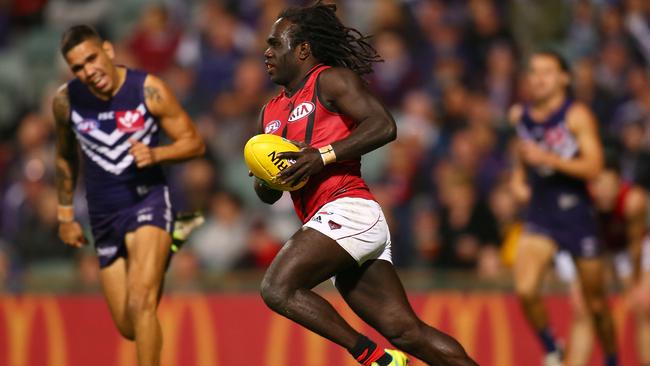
<point x="261" y="153"/>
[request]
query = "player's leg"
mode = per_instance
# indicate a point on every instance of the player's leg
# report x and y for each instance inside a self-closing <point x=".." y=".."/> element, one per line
<point x="638" y="289"/>
<point x="534" y="254"/>
<point x="581" y="336"/>
<point x="591" y="272"/>
<point x="376" y="294"/>
<point x="148" y="250"/>
<point x="641" y="306"/>
<point x="306" y="260"/>
<point x="113" y="280"/>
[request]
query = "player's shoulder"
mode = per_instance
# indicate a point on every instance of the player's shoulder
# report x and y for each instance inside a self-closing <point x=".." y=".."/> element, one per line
<point x="579" y="108"/>
<point x="335" y="80"/>
<point x="636" y="201"/>
<point x="151" y="80"/>
<point x="580" y="112"/>
<point x="515" y="112"/>
<point x="62" y="91"/>
<point x="61" y="101"/>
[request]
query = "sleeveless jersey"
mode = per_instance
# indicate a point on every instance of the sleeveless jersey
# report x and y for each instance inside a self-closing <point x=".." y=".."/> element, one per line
<point x="302" y="117"/>
<point x="551" y="189"/>
<point x="560" y="206"/>
<point x="613" y="224"/>
<point x="103" y="128"/>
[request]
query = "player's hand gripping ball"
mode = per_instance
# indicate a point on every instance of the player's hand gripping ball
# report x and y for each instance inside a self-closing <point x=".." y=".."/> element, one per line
<point x="261" y="153"/>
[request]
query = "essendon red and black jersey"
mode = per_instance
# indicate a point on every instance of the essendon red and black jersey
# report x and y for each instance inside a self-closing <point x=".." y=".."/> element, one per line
<point x="302" y="117"/>
<point x="613" y="224"/>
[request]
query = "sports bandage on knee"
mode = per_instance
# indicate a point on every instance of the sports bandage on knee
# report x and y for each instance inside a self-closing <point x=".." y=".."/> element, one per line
<point x="327" y="154"/>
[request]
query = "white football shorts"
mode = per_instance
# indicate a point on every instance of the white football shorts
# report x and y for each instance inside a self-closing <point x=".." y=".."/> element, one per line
<point x="566" y="269"/>
<point x="358" y="225"/>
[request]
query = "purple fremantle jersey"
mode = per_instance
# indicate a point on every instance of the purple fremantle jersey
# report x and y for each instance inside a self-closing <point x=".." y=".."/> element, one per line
<point x="560" y="205"/>
<point x="103" y="128"/>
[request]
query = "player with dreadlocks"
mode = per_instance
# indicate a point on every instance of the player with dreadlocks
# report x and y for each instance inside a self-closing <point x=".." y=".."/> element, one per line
<point x="326" y="108"/>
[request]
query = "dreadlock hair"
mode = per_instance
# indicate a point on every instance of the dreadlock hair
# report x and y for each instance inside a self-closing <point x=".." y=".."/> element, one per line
<point x="76" y="35"/>
<point x="331" y="42"/>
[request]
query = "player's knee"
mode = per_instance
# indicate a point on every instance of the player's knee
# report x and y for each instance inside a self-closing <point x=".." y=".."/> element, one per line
<point x="141" y="301"/>
<point x="641" y="306"/>
<point x="526" y="295"/>
<point x="275" y="296"/>
<point x="597" y="303"/>
<point x="403" y="332"/>
<point x="126" y="332"/>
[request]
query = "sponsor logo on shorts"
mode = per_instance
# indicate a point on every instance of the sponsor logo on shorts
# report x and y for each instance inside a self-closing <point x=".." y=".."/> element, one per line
<point x="324" y="213"/>
<point x="272" y="126"/>
<point x="567" y="201"/>
<point x="107" y="251"/>
<point x="145" y="217"/>
<point x="589" y="246"/>
<point x="301" y="111"/>
<point x="142" y="190"/>
<point x="317" y="219"/>
<point x="333" y="225"/>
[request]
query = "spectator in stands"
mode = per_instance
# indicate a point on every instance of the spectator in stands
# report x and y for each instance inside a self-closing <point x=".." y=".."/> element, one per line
<point x="468" y="231"/>
<point x="262" y="246"/>
<point x="155" y="40"/>
<point x="220" y="243"/>
<point x="396" y="75"/>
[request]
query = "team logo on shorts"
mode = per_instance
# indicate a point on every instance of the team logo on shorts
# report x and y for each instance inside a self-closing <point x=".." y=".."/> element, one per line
<point x="301" y="111"/>
<point x="333" y="225"/>
<point x="106" y="251"/>
<point x="272" y="126"/>
<point x="129" y="121"/>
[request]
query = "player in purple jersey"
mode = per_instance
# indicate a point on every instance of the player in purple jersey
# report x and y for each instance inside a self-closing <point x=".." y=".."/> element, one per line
<point x="559" y="151"/>
<point x="113" y="114"/>
<point x="622" y="215"/>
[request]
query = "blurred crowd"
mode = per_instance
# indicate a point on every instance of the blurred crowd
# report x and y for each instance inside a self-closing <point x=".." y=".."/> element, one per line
<point x="451" y="70"/>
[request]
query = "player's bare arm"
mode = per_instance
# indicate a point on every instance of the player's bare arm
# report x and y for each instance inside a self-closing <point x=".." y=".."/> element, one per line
<point x="588" y="164"/>
<point x="343" y="90"/>
<point x="177" y="124"/>
<point x="635" y="210"/>
<point x="265" y="193"/>
<point x="518" y="183"/>
<point x="67" y="167"/>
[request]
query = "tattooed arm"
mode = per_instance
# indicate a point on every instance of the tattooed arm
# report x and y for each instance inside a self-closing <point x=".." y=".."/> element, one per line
<point x="186" y="141"/>
<point x="67" y="167"/>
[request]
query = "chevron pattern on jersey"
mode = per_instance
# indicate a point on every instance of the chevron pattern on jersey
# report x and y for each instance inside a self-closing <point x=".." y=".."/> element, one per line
<point x="110" y="151"/>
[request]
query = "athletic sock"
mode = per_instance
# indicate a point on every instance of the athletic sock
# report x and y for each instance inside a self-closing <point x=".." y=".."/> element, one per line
<point x="366" y="352"/>
<point x="611" y="360"/>
<point x="547" y="339"/>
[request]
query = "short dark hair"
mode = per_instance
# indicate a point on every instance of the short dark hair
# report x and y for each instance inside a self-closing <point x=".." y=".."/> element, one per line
<point x="332" y="43"/>
<point x="559" y="58"/>
<point x="77" y="34"/>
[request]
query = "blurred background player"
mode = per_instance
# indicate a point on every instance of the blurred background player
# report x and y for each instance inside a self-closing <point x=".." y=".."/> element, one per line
<point x="114" y="115"/>
<point x="326" y="107"/>
<point x="622" y="216"/>
<point x="559" y="151"/>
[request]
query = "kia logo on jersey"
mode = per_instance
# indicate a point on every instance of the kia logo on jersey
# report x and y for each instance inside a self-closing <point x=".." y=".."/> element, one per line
<point x="129" y="121"/>
<point x="272" y="126"/>
<point x="302" y="110"/>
